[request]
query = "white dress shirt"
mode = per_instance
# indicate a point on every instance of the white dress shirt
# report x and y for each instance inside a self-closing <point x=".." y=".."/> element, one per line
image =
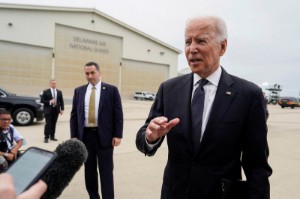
<point x="54" y="95"/>
<point x="87" y="101"/>
<point x="210" y="92"/>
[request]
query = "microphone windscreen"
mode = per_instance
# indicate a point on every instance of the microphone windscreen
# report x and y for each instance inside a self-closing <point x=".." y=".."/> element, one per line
<point x="71" y="155"/>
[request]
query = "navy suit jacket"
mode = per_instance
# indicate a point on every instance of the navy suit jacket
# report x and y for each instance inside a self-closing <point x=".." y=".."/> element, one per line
<point x="110" y="114"/>
<point x="235" y="137"/>
<point x="47" y="96"/>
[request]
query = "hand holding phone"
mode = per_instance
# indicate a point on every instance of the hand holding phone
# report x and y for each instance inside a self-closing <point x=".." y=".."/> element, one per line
<point x="29" y="167"/>
<point x="7" y="189"/>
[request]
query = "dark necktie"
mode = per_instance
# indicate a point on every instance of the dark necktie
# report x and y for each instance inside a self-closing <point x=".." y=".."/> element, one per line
<point x="197" y="112"/>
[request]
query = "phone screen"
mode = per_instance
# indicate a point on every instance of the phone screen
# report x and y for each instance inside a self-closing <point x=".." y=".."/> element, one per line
<point x="29" y="167"/>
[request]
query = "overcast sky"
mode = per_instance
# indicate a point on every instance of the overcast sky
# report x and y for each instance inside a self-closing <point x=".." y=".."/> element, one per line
<point x="263" y="44"/>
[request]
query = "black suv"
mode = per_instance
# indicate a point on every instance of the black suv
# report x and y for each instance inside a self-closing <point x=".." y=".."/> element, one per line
<point x="22" y="109"/>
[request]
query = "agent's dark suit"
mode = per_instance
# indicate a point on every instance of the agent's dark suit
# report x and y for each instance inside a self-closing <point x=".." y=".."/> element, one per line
<point x="110" y="124"/>
<point x="235" y="136"/>
<point x="50" y="112"/>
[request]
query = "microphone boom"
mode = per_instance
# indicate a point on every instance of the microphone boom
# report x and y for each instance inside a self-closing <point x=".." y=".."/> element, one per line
<point x="71" y="155"/>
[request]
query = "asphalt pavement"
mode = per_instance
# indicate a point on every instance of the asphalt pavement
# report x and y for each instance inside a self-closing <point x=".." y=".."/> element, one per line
<point x="140" y="177"/>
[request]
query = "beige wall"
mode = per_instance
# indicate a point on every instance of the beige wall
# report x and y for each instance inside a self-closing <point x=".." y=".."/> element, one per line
<point x="141" y="76"/>
<point x="75" y="47"/>
<point x="129" y="59"/>
<point x="135" y="43"/>
<point x="24" y="68"/>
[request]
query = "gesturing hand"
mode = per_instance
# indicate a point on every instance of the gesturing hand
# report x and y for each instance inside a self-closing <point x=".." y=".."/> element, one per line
<point x="159" y="127"/>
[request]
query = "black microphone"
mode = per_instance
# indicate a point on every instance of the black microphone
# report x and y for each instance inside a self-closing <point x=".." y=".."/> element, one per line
<point x="71" y="155"/>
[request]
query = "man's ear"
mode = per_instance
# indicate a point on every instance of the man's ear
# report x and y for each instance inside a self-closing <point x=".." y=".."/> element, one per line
<point x="223" y="47"/>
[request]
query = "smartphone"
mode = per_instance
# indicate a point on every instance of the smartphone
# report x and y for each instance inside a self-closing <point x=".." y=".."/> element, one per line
<point x="29" y="167"/>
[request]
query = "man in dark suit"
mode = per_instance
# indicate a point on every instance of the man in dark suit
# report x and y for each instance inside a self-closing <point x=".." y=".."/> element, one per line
<point x="97" y="120"/>
<point x="233" y="131"/>
<point x="53" y="105"/>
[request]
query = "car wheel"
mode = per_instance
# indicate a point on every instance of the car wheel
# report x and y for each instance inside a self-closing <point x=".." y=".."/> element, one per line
<point x="292" y="107"/>
<point x="23" y="117"/>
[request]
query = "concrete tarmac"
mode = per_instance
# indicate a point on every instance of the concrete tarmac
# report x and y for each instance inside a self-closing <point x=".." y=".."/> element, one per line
<point x="140" y="177"/>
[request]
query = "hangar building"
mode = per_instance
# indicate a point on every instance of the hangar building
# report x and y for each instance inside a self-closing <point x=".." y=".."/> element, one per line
<point x="38" y="43"/>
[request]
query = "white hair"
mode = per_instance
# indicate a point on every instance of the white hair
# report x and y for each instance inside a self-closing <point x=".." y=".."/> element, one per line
<point x="219" y="25"/>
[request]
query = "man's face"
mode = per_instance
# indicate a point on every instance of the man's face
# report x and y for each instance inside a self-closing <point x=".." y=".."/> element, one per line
<point x="5" y="120"/>
<point x="53" y="84"/>
<point x="202" y="48"/>
<point x="92" y="74"/>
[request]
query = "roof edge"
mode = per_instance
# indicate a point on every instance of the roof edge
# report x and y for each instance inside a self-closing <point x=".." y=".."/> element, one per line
<point x="86" y="9"/>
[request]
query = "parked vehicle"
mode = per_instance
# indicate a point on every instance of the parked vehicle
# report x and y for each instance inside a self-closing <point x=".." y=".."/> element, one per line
<point x="23" y="109"/>
<point x="289" y="102"/>
<point x="143" y="95"/>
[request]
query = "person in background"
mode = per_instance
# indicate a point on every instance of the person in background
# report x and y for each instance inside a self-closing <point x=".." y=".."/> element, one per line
<point x="97" y="120"/>
<point x="214" y="123"/>
<point x="10" y="139"/>
<point x="53" y="106"/>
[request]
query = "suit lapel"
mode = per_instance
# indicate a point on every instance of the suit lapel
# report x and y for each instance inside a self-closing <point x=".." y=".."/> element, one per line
<point x="50" y="93"/>
<point x="184" y="90"/>
<point x="81" y="97"/>
<point x="223" y="99"/>
<point x="102" y="96"/>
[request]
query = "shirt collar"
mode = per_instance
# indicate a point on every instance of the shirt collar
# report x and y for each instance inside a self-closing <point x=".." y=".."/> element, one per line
<point x="97" y="86"/>
<point x="214" y="78"/>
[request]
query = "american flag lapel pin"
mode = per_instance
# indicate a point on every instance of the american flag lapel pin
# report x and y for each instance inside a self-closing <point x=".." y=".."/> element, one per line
<point x="228" y="93"/>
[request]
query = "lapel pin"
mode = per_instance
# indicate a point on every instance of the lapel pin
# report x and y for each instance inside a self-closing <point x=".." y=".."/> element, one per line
<point x="228" y="93"/>
<point x="103" y="88"/>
